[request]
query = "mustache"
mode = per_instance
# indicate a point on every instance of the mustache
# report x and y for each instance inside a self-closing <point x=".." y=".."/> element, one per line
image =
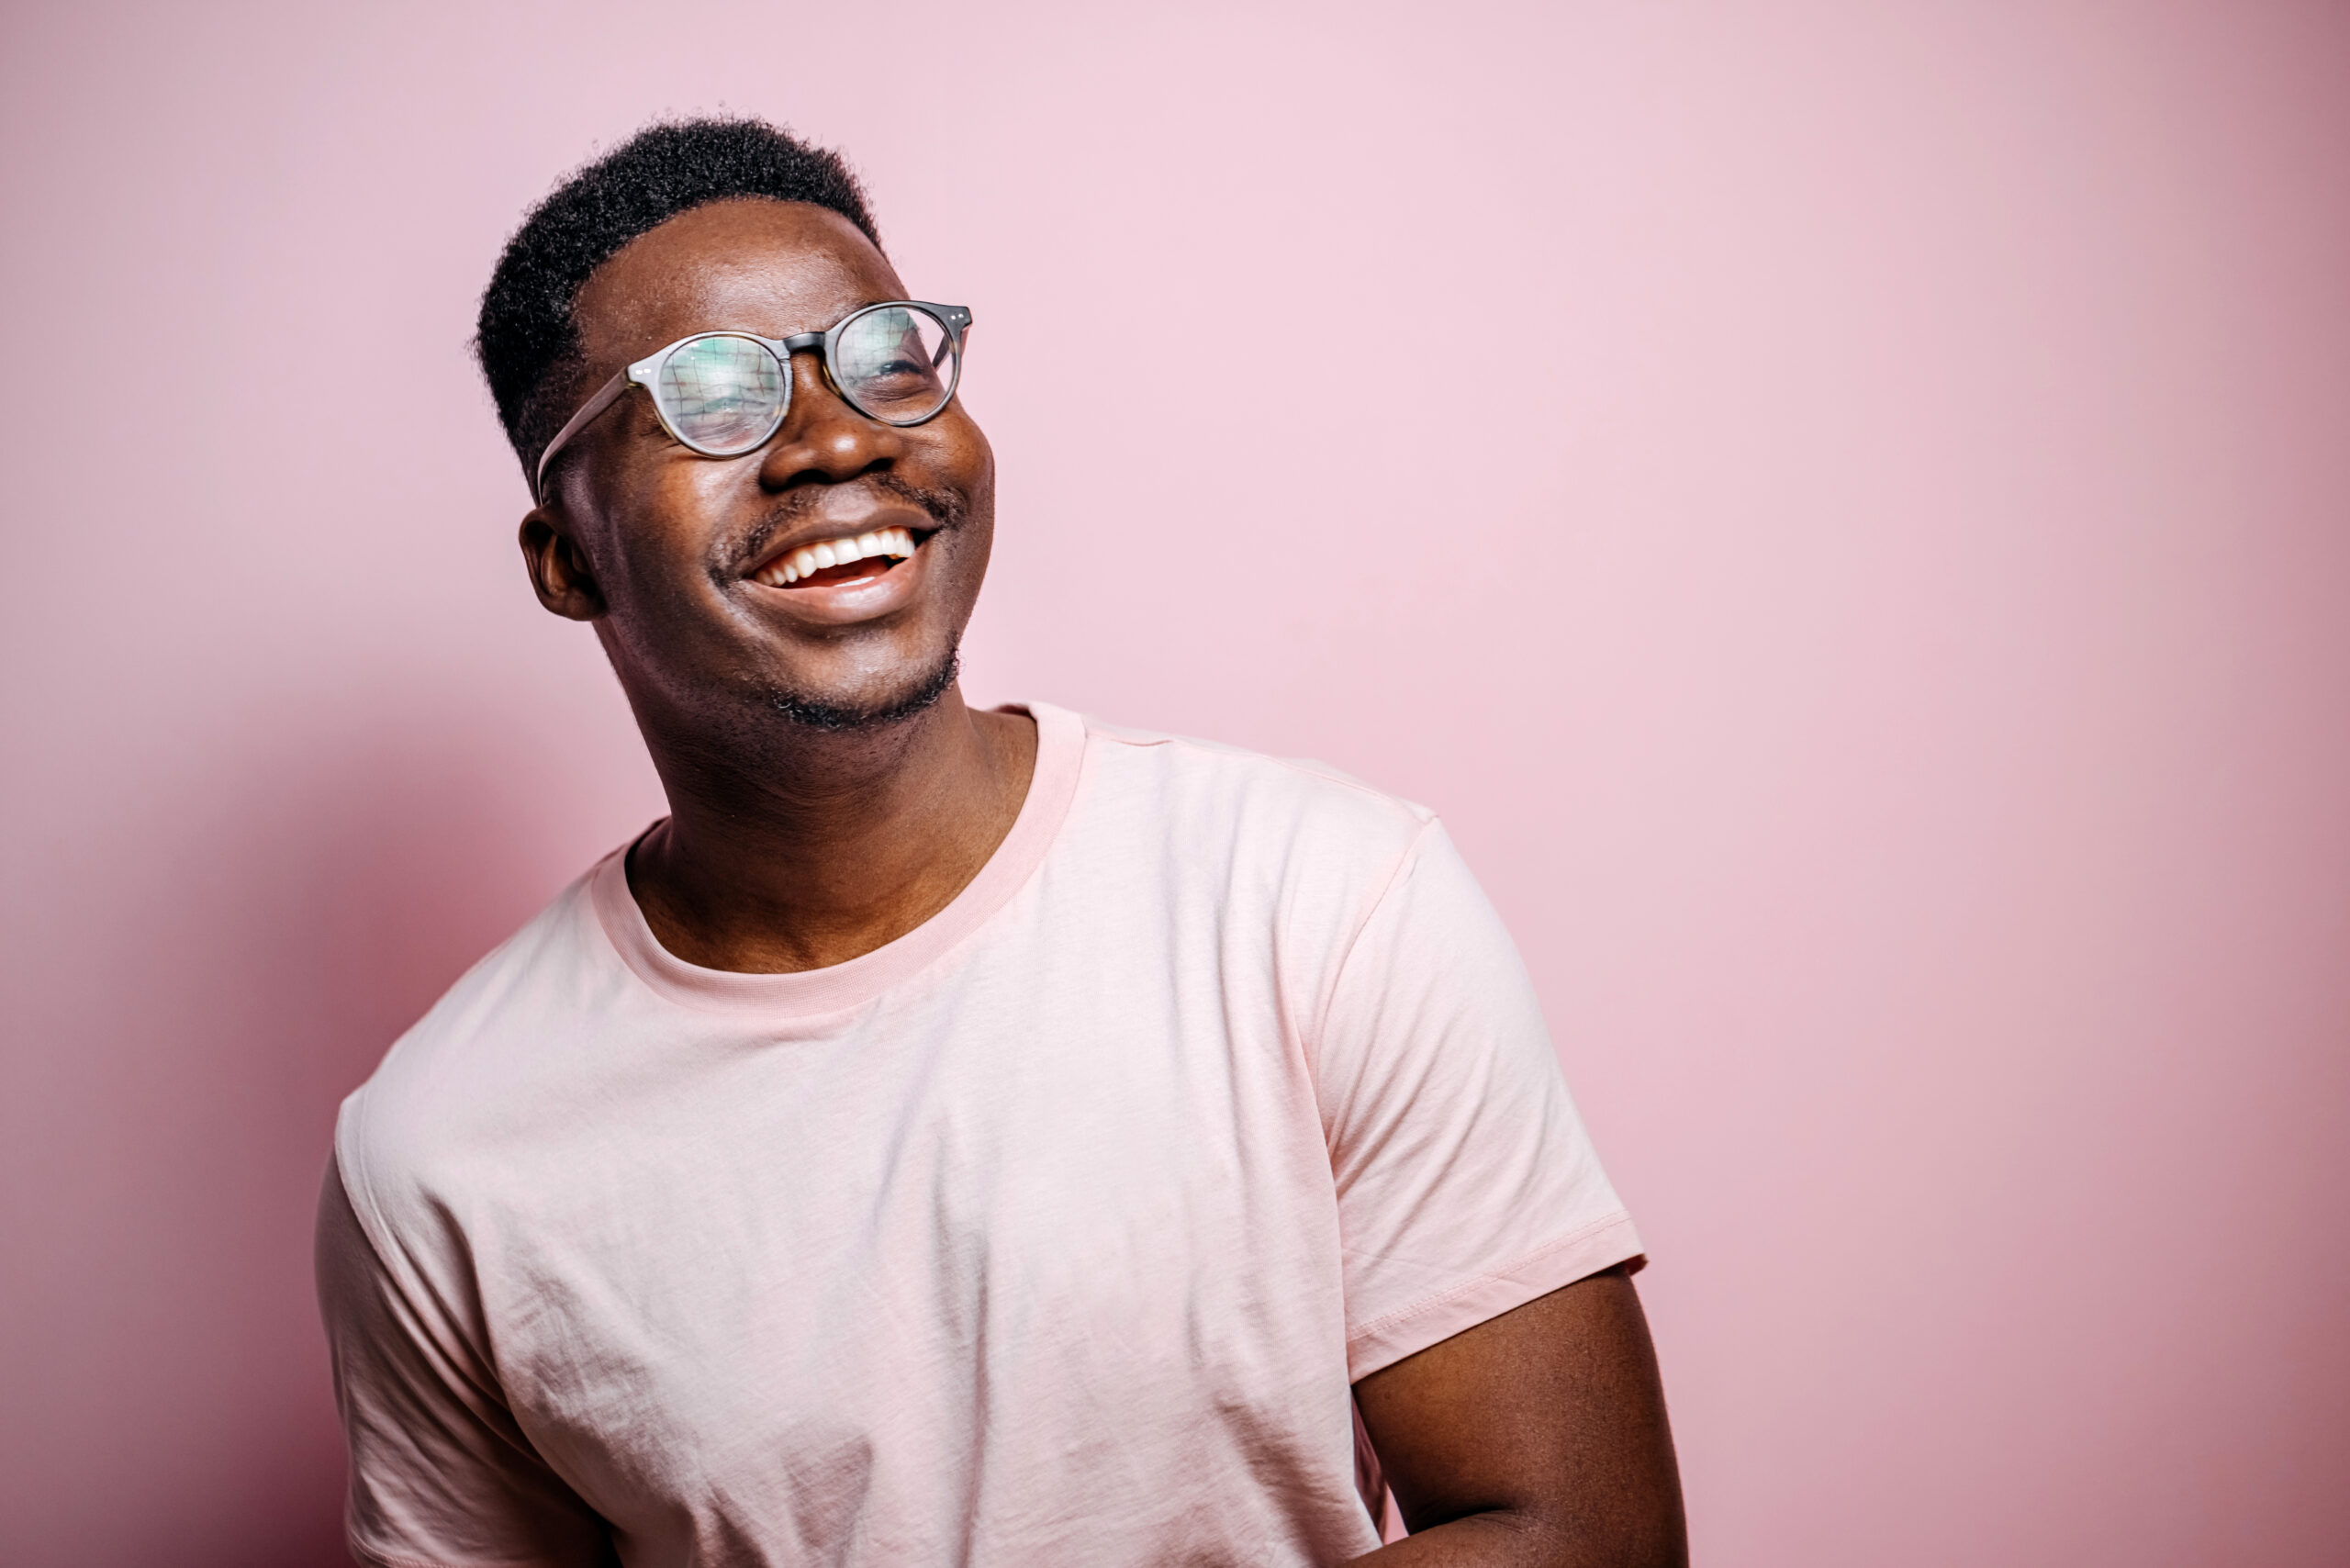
<point x="946" y="508"/>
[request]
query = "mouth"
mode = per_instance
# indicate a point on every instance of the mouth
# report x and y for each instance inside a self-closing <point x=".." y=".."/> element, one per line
<point x="839" y="563"/>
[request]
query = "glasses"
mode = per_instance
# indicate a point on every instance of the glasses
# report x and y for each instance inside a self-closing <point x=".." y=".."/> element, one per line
<point x="724" y="393"/>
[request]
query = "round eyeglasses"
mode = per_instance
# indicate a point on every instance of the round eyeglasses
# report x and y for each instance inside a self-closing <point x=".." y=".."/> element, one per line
<point x="724" y="393"/>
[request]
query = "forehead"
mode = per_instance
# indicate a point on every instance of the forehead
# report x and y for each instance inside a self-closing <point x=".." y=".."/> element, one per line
<point x="770" y="267"/>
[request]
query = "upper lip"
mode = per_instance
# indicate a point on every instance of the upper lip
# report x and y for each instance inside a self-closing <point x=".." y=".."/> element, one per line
<point x="829" y="525"/>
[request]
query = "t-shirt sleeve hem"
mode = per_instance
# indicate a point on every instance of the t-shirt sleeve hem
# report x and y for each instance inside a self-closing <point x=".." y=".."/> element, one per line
<point x="1580" y="1253"/>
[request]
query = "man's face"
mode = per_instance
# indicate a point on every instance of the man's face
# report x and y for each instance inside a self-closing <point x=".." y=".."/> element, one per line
<point x="679" y="559"/>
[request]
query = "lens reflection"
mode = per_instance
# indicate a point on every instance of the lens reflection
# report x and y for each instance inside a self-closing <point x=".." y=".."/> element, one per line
<point x="722" y="394"/>
<point x="896" y="362"/>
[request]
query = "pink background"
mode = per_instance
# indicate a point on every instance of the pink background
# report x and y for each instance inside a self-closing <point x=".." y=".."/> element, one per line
<point x="1846" y="509"/>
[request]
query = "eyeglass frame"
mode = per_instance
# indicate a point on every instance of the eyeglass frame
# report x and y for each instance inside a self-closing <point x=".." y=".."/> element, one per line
<point x="956" y="319"/>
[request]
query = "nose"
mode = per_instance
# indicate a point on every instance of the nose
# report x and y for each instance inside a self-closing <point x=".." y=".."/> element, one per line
<point x="823" y="439"/>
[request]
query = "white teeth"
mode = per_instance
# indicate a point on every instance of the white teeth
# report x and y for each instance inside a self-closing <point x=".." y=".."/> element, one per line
<point x="811" y="558"/>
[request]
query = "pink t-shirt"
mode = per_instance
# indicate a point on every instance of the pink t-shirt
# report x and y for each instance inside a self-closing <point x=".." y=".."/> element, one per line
<point x="1053" y="1232"/>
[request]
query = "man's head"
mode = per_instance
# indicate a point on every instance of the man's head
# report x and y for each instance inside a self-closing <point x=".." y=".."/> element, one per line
<point x="677" y="558"/>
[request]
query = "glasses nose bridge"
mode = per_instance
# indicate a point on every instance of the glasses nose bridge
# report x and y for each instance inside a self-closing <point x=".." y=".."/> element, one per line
<point x="788" y="349"/>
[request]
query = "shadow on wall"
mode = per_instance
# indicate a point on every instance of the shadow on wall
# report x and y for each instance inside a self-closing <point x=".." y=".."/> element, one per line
<point x="263" y="938"/>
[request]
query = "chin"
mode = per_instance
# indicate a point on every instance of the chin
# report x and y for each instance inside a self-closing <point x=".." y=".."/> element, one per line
<point x="869" y="710"/>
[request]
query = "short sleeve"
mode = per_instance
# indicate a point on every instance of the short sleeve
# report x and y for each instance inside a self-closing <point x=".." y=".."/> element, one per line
<point x="440" y="1477"/>
<point x="1466" y="1183"/>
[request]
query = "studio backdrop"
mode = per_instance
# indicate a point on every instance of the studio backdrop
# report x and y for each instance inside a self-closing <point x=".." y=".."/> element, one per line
<point x="1843" y="508"/>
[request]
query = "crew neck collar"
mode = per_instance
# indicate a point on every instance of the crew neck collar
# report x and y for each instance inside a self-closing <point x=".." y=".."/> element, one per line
<point x="1060" y="758"/>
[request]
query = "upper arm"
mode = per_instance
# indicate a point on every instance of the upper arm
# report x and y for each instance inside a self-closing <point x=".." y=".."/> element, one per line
<point x="1466" y="1186"/>
<point x="1547" y="1423"/>
<point x="439" y="1474"/>
<point x="1500" y="1359"/>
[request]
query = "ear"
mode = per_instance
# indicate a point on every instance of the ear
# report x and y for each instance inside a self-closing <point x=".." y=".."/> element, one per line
<point x="558" y="568"/>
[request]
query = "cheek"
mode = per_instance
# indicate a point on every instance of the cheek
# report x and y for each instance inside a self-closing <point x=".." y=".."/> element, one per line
<point x="663" y="520"/>
<point x="958" y="456"/>
<point x="982" y="466"/>
<point x="660" y="578"/>
<point x="966" y="567"/>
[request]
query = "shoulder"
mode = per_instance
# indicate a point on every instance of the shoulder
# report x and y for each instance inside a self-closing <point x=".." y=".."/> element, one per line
<point x="480" y="1060"/>
<point x="1305" y="843"/>
<point x="1198" y="783"/>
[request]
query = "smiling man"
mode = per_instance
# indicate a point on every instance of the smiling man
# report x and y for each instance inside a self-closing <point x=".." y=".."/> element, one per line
<point x="948" y="1136"/>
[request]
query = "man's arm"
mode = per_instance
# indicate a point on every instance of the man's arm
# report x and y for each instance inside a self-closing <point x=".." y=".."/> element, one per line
<point x="1538" y="1437"/>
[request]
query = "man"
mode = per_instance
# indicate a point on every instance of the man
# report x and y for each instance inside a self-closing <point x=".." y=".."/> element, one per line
<point x="948" y="1136"/>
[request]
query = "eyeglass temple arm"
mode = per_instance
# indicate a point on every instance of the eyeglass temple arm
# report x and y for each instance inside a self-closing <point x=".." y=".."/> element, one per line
<point x="572" y="427"/>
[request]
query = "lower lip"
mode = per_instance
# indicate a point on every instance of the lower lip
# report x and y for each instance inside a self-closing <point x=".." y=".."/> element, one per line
<point x="845" y="604"/>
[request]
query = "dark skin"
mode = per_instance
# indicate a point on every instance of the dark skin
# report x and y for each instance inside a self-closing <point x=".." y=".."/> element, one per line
<point x="1538" y="1437"/>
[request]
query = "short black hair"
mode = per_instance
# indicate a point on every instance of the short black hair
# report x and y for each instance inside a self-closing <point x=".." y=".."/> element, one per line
<point x="526" y="336"/>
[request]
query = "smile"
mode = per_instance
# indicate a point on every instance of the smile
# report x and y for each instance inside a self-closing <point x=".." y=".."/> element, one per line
<point x="835" y="562"/>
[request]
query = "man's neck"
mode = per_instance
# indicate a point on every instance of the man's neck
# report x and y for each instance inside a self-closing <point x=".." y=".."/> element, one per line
<point x="835" y="844"/>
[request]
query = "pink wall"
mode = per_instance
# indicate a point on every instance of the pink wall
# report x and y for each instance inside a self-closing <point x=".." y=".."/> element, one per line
<point x="1846" y="508"/>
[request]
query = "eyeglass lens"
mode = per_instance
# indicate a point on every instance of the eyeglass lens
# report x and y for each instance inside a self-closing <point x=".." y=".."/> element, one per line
<point x="724" y="394"/>
<point x="721" y="393"/>
<point x="894" y="364"/>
